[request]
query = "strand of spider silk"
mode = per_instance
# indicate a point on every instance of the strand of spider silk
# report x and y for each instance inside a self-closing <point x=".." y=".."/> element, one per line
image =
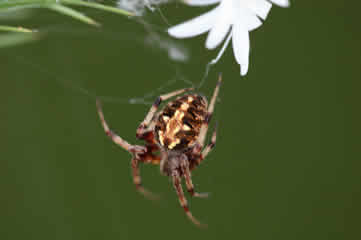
<point x="214" y="61"/>
<point x="145" y="100"/>
<point x="163" y="16"/>
<point x="151" y="95"/>
<point x="71" y="85"/>
<point x="133" y="100"/>
<point x="59" y="80"/>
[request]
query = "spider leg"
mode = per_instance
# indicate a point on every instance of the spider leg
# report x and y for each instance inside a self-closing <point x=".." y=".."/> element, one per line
<point x="143" y="127"/>
<point x="210" y="145"/>
<point x="139" y="153"/>
<point x="204" y="128"/>
<point x="206" y="150"/>
<point x="188" y="179"/>
<point x="183" y="201"/>
<point x="149" y="156"/>
<point x="149" y="137"/>
<point x="116" y="139"/>
<point x="138" y="181"/>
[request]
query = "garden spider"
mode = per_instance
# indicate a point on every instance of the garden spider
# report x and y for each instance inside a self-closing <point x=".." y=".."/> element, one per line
<point x="178" y="133"/>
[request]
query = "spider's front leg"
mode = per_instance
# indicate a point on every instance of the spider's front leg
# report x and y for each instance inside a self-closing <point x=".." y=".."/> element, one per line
<point x="139" y="153"/>
<point x="204" y="129"/>
<point x="133" y="149"/>
<point x="203" y="154"/>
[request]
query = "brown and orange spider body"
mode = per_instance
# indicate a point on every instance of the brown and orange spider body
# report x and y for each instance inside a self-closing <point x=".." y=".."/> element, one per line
<point x="178" y="133"/>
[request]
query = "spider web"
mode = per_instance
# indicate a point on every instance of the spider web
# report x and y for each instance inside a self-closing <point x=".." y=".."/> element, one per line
<point x="178" y="78"/>
<point x="152" y="37"/>
<point x="146" y="99"/>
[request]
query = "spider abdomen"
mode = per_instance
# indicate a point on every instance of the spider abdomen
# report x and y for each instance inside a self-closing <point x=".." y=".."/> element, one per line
<point x="179" y="123"/>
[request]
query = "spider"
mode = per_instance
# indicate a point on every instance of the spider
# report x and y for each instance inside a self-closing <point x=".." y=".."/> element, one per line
<point x="174" y="138"/>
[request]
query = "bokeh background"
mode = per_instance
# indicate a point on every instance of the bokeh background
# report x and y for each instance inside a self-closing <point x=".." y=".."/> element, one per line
<point x="287" y="160"/>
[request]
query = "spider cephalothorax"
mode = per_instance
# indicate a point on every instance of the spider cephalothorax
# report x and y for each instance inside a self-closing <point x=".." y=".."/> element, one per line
<point x="178" y="133"/>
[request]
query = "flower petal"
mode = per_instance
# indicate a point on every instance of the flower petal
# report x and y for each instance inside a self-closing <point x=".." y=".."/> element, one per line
<point x="195" y="26"/>
<point x="260" y="7"/>
<point x="249" y="20"/>
<point x="281" y="3"/>
<point x="200" y="2"/>
<point x="221" y="27"/>
<point x="242" y="13"/>
<point x="241" y="44"/>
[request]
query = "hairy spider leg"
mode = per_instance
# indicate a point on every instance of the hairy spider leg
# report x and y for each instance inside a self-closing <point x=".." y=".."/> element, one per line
<point x="149" y="118"/>
<point x="138" y="181"/>
<point x="188" y="179"/>
<point x="116" y="139"/>
<point x="204" y="128"/>
<point x="207" y="149"/>
<point x="139" y="153"/>
<point x="151" y="143"/>
<point x="182" y="200"/>
<point x="149" y="156"/>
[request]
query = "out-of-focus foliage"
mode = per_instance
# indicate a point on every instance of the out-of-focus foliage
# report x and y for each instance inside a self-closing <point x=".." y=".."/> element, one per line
<point x="11" y="39"/>
<point x="18" y="36"/>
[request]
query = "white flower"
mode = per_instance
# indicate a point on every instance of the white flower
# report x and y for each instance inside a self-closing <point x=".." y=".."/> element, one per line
<point x="235" y="18"/>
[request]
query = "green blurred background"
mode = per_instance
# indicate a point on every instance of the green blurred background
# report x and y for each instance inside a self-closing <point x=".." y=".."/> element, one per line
<point x="286" y="164"/>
